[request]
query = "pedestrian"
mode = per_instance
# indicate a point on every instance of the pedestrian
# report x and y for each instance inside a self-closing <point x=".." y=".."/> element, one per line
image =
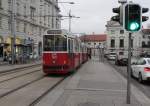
<point x="5" y="56"/>
<point x="89" y="53"/>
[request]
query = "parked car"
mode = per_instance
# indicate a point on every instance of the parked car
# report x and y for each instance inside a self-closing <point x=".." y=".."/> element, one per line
<point x="140" y="69"/>
<point x="106" y="55"/>
<point x="121" y="58"/>
<point x="111" y="56"/>
<point x="121" y="62"/>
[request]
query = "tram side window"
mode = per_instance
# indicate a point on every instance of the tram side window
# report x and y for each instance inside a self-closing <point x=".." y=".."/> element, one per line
<point x="77" y="46"/>
<point x="70" y="46"/>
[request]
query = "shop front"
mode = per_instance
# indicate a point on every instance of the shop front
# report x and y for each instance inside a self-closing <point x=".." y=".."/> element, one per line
<point x="3" y="46"/>
<point x="18" y="47"/>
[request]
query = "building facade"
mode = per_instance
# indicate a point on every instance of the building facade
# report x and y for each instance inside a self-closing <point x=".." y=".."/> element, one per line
<point x="117" y="40"/>
<point x="32" y="18"/>
<point x="95" y="42"/>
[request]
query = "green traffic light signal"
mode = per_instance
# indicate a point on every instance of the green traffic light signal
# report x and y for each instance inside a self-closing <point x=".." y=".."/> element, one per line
<point x="133" y="26"/>
<point x="133" y="17"/>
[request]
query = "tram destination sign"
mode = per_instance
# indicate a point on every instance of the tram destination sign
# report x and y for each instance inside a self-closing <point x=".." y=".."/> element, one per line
<point x="54" y="32"/>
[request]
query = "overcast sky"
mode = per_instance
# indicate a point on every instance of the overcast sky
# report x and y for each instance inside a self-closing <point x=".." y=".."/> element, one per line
<point x="93" y="14"/>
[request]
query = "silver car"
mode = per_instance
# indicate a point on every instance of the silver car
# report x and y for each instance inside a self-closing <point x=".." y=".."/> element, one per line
<point x="141" y="69"/>
<point x="111" y="56"/>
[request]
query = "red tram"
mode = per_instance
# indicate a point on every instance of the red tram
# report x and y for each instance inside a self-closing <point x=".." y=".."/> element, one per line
<point x="62" y="52"/>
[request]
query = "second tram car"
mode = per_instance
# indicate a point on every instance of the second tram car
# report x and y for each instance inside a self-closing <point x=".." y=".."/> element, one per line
<point x="62" y="52"/>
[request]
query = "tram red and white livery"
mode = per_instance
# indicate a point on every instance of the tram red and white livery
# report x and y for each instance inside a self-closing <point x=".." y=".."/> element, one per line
<point x="62" y="52"/>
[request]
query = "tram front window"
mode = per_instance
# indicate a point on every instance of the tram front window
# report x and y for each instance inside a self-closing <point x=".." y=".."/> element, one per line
<point x="54" y="43"/>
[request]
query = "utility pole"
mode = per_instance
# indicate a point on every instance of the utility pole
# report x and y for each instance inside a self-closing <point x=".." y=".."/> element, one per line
<point x="13" y="32"/>
<point x="70" y="17"/>
<point x="70" y="20"/>
<point x="53" y="6"/>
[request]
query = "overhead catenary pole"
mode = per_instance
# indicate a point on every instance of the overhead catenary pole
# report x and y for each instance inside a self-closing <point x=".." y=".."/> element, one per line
<point x="53" y="6"/>
<point x="70" y="20"/>
<point x="13" y="32"/>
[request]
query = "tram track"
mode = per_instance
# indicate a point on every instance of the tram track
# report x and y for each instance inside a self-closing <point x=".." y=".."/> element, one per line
<point x="18" y="75"/>
<point x="52" y="82"/>
<point x="10" y="71"/>
<point x="37" y="100"/>
<point x="20" y="87"/>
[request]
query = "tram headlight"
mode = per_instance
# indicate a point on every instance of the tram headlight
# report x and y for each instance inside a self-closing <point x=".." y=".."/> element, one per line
<point x="65" y="62"/>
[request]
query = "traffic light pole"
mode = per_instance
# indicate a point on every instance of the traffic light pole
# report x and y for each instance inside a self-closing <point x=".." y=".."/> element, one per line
<point x="129" y="72"/>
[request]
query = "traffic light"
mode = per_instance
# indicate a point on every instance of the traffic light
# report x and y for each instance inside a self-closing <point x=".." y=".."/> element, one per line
<point x="145" y="18"/>
<point x="117" y="17"/>
<point x="132" y="17"/>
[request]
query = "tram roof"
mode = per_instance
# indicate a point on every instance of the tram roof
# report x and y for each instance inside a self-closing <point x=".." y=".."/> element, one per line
<point x="59" y="31"/>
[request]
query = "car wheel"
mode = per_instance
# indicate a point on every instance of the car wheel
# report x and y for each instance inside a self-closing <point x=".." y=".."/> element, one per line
<point x="140" y="79"/>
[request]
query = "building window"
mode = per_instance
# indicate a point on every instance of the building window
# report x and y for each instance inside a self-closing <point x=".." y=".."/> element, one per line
<point x="0" y="4"/>
<point x="112" y="43"/>
<point x="148" y="43"/>
<point x="121" y="43"/>
<point x="121" y="53"/>
<point x="9" y="5"/>
<point x="143" y="44"/>
<point x="18" y="8"/>
<point x="17" y="26"/>
<point x="32" y="1"/>
<point x="9" y="24"/>
<point x="32" y="12"/>
<point x="0" y="22"/>
<point x="112" y="32"/>
<point x="25" y="9"/>
<point x="25" y="27"/>
<point x="121" y="31"/>
<point x="40" y="32"/>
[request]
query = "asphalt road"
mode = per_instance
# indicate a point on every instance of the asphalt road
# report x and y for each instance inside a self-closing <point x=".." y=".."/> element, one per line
<point x="145" y="87"/>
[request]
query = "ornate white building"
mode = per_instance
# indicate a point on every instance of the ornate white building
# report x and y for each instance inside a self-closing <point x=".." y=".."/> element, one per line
<point x="33" y="17"/>
<point x="117" y="40"/>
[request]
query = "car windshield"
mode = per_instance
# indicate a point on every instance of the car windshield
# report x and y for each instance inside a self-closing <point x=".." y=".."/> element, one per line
<point x="148" y="60"/>
<point x="112" y="53"/>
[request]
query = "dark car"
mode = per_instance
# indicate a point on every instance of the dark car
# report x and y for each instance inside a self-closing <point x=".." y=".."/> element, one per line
<point x="122" y="62"/>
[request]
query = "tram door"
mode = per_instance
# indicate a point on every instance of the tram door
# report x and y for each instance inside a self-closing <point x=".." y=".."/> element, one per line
<point x="70" y="49"/>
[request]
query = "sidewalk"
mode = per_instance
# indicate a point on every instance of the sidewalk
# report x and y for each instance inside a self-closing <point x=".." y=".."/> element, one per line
<point x="6" y="66"/>
<point x="95" y="84"/>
